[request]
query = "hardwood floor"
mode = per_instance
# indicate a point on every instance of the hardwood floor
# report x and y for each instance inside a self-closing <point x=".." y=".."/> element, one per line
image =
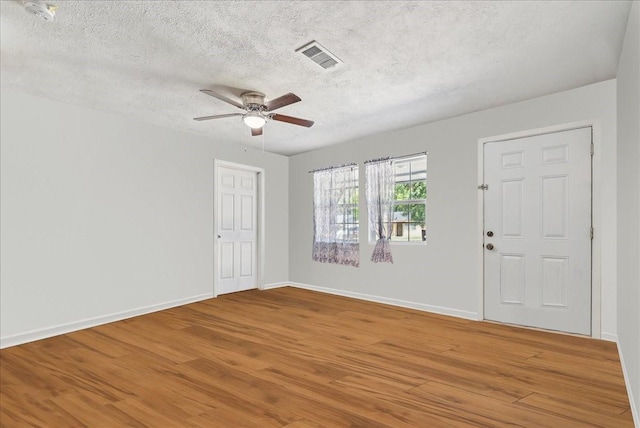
<point x="295" y="358"/>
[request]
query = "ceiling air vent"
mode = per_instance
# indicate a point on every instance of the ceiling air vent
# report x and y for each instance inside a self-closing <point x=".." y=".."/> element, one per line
<point x="318" y="54"/>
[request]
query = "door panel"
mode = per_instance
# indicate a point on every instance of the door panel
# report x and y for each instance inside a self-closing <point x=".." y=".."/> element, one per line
<point x="246" y="259"/>
<point x="558" y="154"/>
<point x="236" y="230"/>
<point x="512" y="278"/>
<point x="554" y="207"/>
<point x="227" y="212"/>
<point x="246" y="213"/>
<point x="513" y="160"/>
<point x="226" y="260"/>
<point x="554" y="281"/>
<point x="512" y="209"/>
<point x="538" y="204"/>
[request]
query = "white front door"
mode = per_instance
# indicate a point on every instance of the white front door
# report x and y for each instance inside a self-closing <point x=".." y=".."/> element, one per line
<point x="537" y="231"/>
<point x="236" y="230"/>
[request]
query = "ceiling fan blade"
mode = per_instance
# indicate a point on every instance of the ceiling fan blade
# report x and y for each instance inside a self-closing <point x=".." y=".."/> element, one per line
<point x="221" y="97"/>
<point x="256" y="131"/>
<point x="282" y="101"/>
<point x="292" y="120"/>
<point x="217" y="116"/>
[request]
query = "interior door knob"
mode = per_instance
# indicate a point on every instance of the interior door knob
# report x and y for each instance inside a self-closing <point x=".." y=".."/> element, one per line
<point x="489" y="246"/>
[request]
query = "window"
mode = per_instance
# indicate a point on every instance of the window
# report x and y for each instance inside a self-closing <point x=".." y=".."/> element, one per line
<point x="336" y="215"/>
<point x="408" y="212"/>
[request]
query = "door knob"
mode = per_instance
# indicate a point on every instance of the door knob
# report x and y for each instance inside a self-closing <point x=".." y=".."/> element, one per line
<point x="218" y="236"/>
<point x="489" y="246"/>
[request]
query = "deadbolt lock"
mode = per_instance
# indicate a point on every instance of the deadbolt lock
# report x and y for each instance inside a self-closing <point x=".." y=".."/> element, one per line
<point x="489" y="246"/>
<point x="489" y="233"/>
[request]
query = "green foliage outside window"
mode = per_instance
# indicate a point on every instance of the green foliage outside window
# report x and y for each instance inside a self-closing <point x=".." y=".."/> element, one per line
<point x="414" y="213"/>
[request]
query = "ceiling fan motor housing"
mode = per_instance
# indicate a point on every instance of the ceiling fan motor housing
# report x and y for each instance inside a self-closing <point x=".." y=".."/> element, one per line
<point x="253" y="99"/>
<point x="40" y="8"/>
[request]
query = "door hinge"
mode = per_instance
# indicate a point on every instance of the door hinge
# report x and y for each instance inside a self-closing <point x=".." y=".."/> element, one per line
<point x="483" y="187"/>
<point x="592" y="233"/>
<point x="592" y="149"/>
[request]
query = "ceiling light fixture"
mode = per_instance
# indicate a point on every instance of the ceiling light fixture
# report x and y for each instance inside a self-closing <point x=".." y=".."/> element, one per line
<point x="254" y="120"/>
<point x="40" y="8"/>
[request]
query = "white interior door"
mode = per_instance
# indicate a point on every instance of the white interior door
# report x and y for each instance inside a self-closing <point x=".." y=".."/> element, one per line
<point x="236" y="230"/>
<point x="537" y="231"/>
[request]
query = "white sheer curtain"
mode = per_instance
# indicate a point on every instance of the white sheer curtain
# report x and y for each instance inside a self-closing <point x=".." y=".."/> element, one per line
<point x="333" y="190"/>
<point x="380" y="186"/>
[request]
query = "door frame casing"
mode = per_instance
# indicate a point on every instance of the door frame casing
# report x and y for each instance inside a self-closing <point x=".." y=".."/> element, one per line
<point x="596" y="215"/>
<point x="260" y="194"/>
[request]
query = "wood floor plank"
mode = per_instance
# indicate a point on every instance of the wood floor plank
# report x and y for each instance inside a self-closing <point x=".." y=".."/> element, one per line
<point x="303" y="424"/>
<point x="139" y="411"/>
<point x="296" y="358"/>
<point x="579" y="410"/>
<point x="92" y="339"/>
<point x="81" y="408"/>
<point x="486" y="410"/>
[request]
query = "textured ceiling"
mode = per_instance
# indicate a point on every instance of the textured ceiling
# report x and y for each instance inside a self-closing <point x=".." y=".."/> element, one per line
<point x="405" y="62"/>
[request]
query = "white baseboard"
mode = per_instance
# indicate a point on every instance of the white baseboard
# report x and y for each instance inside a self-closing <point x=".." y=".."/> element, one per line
<point x="274" y="285"/>
<point x="389" y="301"/>
<point x="632" y="402"/>
<point x="611" y="337"/>
<point x="33" y="335"/>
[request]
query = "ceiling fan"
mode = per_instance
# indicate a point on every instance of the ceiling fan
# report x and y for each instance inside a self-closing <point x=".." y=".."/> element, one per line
<point x="257" y="111"/>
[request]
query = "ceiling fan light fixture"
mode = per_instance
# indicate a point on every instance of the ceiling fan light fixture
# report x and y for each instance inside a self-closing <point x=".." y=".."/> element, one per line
<point x="40" y="8"/>
<point x="257" y="111"/>
<point x="254" y="119"/>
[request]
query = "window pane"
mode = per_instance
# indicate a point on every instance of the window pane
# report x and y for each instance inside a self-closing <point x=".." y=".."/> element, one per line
<point x="419" y="169"/>
<point x="344" y="196"/>
<point x="400" y="213"/>
<point x="402" y="191"/>
<point x="418" y="190"/>
<point x="348" y="232"/>
<point x="399" y="231"/>
<point x="349" y="196"/>
<point x="415" y="232"/>
<point x="347" y="210"/>
<point x="416" y="213"/>
<point x="399" y="222"/>
<point x="355" y="214"/>
<point x="350" y="214"/>
<point x="402" y="169"/>
<point x="353" y="232"/>
<point x="403" y="178"/>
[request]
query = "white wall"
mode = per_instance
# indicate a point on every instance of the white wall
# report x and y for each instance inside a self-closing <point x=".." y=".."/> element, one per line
<point x="443" y="275"/>
<point x="629" y="205"/>
<point x="103" y="216"/>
